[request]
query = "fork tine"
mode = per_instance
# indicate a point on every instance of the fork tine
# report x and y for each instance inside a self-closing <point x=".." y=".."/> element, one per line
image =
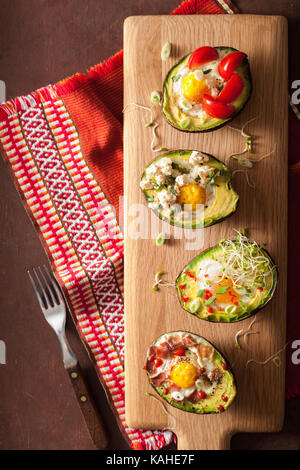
<point x="54" y="285"/>
<point x="46" y="297"/>
<point x="36" y="291"/>
<point x="47" y="288"/>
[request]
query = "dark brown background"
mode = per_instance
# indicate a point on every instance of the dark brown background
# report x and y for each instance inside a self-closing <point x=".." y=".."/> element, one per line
<point x="41" y="42"/>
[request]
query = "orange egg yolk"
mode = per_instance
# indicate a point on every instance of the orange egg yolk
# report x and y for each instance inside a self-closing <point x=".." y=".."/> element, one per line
<point x="193" y="89"/>
<point x="184" y="374"/>
<point x="192" y="194"/>
<point x="228" y="297"/>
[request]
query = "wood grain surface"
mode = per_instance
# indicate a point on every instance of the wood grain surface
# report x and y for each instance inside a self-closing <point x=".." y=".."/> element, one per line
<point x="259" y="405"/>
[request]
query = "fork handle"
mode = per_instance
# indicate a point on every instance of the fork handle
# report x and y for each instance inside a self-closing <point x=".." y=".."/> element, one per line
<point x="88" y="408"/>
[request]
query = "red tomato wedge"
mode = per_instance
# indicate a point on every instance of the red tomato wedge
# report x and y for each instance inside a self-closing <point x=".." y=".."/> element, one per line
<point x="216" y="109"/>
<point x="230" y="63"/>
<point x="201" y="56"/>
<point x="232" y="89"/>
<point x="158" y="362"/>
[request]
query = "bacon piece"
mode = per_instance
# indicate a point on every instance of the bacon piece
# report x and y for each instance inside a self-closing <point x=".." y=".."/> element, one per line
<point x="173" y="388"/>
<point x="150" y="367"/>
<point x="216" y="375"/>
<point x="205" y="350"/>
<point x="164" y="351"/>
<point x="174" y="341"/>
<point x="188" y="341"/>
<point x="194" y="397"/>
<point x="151" y="351"/>
<point x="159" y="379"/>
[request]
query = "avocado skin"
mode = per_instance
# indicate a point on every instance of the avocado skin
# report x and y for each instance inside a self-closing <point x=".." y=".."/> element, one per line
<point x="248" y="76"/>
<point x="262" y="304"/>
<point x="195" y="225"/>
<point x="193" y="408"/>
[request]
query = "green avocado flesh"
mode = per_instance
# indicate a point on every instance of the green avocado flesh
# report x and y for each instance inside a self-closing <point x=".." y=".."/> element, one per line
<point x="208" y="293"/>
<point x="176" y="116"/>
<point x="222" y="392"/>
<point x="221" y="202"/>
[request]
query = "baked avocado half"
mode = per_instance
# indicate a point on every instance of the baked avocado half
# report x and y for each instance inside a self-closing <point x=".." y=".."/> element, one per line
<point x="229" y="282"/>
<point x="189" y="189"/>
<point x="190" y="374"/>
<point x="196" y="98"/>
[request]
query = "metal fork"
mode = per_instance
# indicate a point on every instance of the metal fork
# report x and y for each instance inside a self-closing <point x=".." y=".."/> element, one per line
<point x="54" y="310"/>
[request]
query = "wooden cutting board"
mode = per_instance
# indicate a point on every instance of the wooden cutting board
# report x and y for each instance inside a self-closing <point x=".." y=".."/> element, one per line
<point x="259" y="406"/>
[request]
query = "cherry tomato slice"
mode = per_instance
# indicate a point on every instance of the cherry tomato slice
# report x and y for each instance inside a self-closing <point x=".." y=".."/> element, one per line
<point x="158" y="362"/>
<point x="201" y="56"/>
<point x="217" y="109"/>
<point x="232" y="89"/>
<point x="179" y="352"/>
<point x="202" y="394"/>
<point x="230" y="63"/>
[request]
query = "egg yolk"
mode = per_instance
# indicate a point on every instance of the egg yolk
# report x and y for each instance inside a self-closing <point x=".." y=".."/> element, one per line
<point x="230" y="296"/>
<point x="191" y="194"/>
<point x="184" y="374"/>
<point x="193" y="89"/>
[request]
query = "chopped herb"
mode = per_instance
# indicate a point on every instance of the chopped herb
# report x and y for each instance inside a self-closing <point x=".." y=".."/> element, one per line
<point x="173" y="191"/>
<point x="155" y="97"/>
<point x="165" y="51"/>
<point x="175" y="166"/>
<point x="184" y="123"/>
<point x="209" y="301"/>
<point x="171" y="179"/>
<point x="222" y="290"/>
<point x="243" y="306"/>
<point x="160" y="239"/>
<point x="150" y="198"/>
<point x="158" y="187"/>
<point x="194" y="306"/>
<point x="200" y="292"/>
<point x="212" y="175"/>
<point x="176" y="77"/>
<point x="208" y="282"/>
